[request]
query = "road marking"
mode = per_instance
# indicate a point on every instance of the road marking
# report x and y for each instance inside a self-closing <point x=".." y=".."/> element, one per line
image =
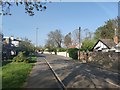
<point x="56" y="76"/>
<point x="107" y="80"/>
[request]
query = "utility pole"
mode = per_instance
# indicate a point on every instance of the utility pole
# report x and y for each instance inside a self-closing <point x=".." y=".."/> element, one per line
<point x="79" y="44"/>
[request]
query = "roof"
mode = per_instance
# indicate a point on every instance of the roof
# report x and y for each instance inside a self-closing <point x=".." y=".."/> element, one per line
<point x="72" y="46"/>
<point x="108" y="42"/>
<point x="75" y="46"/>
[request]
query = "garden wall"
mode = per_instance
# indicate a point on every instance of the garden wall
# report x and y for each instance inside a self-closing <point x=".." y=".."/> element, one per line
<point x="107" y="59"/>
<point x="58" y="53"/>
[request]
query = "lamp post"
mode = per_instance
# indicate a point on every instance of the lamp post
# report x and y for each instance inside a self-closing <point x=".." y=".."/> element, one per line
<point x="36" y="37"/>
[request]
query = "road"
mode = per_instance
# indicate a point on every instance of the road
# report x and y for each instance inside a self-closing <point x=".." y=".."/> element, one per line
<point x="74" y="74"/>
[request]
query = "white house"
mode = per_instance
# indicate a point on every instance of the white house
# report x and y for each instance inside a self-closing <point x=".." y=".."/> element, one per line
<point x="104" y="45"/>
<point x="108" y="44"/>
<point x="9" y="44"/>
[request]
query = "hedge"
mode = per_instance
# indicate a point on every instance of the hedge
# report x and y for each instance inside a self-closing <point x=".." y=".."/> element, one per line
<point x="73" y="53"/>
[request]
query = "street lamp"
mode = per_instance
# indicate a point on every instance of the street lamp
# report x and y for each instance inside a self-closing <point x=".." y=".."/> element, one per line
<point x="37" y="37"/>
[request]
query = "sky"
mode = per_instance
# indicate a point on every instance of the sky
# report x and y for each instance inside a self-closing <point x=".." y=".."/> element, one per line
<point x="66" y="16"/>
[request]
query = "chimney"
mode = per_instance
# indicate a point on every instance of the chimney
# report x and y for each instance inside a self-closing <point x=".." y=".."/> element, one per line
<point x="116" y="37"/>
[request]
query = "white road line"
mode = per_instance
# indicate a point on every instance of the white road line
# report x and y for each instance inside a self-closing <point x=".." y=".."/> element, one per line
<point x="59" y="80"/>
<point x="107" y="80"/>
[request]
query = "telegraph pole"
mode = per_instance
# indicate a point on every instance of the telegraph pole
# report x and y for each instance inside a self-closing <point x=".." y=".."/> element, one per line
<point x="79" y="43"/>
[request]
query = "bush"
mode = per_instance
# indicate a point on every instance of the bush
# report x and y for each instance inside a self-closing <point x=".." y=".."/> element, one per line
<point x="21" y="58"/>
<point x="73" y="53"/>
<point x="87" y="45"/>
<point x="61" y="49"/>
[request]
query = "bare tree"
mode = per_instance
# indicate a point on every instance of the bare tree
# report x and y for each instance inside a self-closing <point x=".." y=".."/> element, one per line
<point x="55" y="37"/>
<point x="75" y="37"/>
<point x="67" y="40"/>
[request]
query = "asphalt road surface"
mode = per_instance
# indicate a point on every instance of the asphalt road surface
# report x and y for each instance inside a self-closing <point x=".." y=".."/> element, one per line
<point x="72" y="73"/>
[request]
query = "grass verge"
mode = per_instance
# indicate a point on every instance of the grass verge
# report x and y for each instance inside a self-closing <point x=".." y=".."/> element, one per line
<point x="14" y="74"/>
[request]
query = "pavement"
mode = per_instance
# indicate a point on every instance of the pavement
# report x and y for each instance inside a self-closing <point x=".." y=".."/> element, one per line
<point x="41" y="76"/>
<point x="72" y="73"/>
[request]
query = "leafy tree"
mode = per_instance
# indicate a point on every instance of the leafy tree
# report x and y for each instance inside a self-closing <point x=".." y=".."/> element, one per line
<point x="107" y="31"/>
<point x="67" y="40"/>
<point x="88" y="44"/>
<point x="27" y="46"/>
<point x="30" y="6"/>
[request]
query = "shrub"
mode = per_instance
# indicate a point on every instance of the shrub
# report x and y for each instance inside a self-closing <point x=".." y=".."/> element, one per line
<point x="20" y="58"/>
<point x="73" y="53"/>
<point x="61" y="49"/>
<point x="87" y="45"/>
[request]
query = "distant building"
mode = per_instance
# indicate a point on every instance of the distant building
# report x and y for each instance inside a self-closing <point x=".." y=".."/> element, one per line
<point x="11" y="41"/>
<point x="75" y="46"/>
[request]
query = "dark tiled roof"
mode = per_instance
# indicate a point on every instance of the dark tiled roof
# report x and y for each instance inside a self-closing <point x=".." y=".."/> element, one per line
<point x="110" y="43"/>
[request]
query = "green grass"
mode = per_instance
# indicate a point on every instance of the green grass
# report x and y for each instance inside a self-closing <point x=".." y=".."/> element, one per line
<point x="15" y="74"/>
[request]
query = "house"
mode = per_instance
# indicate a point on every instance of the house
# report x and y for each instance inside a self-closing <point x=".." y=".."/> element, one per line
<point x="103" y="44"/>
<point x="11" y="41"/>
<point x="9" y="47"/>
<point x="107" y="44"/>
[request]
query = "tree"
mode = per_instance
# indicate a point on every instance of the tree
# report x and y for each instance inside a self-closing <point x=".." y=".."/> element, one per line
<point x="55" y="38"/>
<point x="30" y="6"/>
<point x="50" y="45"/>
<point x="67" y="40"/>
<point x="88" y="34"/>
<point x="88" y="44"/>
<point x="75" y="37"/>
<point x="107" y="31"/>
<point x="27" y="46"/>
